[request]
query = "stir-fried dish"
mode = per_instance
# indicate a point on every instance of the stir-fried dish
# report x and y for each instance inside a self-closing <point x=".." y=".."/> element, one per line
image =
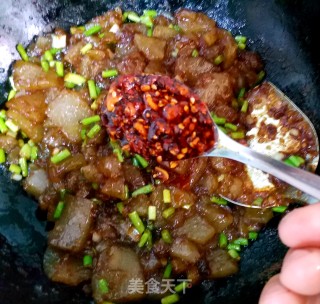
<point x="127" y="227"/>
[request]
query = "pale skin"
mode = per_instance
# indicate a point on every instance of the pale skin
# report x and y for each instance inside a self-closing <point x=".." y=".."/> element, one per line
<point x="299" y="279"/>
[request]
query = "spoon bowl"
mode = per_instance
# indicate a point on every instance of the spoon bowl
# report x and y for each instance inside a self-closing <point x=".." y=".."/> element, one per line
<point x="294" y="131"/>
<point x="305" y="181"/>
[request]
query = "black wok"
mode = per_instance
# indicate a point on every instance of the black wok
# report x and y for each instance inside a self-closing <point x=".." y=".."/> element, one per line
<point x="284" y="32"/>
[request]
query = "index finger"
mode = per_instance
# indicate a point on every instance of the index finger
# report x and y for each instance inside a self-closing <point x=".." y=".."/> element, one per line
<point x="301" y="227"/>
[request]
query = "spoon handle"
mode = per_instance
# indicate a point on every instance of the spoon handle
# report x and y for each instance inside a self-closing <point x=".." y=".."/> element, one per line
<point x="300" y="179"/>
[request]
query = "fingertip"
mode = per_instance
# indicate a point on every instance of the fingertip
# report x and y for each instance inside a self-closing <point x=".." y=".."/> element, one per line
<point x="301" y="227"/>
<point x="301" y="271"/>
<point x="286" y="227"/>
<point x="274" y="292"/>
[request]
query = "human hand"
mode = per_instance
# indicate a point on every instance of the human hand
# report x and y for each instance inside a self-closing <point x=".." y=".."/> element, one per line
<point x="299" y="279"/>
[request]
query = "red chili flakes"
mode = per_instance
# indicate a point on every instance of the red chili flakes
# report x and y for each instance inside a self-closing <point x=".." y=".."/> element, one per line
<point x="158" y="117"/>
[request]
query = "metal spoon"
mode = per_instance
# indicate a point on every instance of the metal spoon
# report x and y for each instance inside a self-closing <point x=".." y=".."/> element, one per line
<point x="147" y="113"/>
<point x="266" y="99"/>
<point x="305" y="181"/>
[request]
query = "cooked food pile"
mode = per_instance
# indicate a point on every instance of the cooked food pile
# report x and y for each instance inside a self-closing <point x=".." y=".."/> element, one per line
<point x="158" y="118"/>
<point x="126" y="227"/>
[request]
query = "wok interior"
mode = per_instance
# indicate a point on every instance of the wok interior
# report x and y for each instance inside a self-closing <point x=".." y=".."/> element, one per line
<point x="285" y="51"/>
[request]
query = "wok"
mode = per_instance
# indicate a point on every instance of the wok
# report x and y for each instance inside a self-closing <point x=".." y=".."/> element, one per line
<point x="284" y="33"/>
